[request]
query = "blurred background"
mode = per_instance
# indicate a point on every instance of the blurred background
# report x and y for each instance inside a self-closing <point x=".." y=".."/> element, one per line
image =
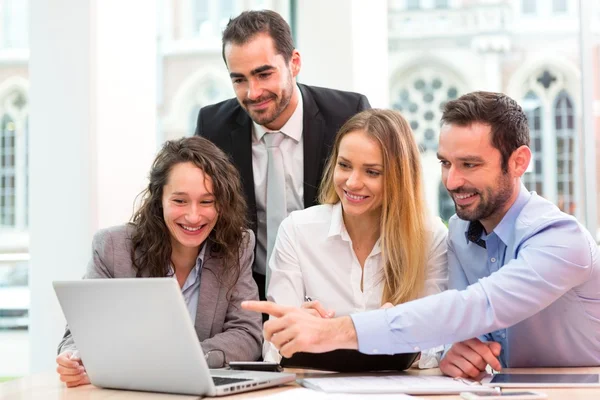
<point x="90" y="89"/>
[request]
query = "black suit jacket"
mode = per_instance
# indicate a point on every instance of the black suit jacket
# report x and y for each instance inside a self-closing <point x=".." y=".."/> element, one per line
<point x="325" y="110"/>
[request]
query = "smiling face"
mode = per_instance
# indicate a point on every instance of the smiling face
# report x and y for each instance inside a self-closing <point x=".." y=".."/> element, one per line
<point x="472" y="173"/>
<point x="262" y="80"/>
<point x="189" y="207"/>
<point x="358" y="175"/>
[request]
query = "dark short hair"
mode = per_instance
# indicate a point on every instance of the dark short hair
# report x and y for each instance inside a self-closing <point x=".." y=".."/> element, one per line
<point x="245" y="26"/>
<point x="508" y="122"/>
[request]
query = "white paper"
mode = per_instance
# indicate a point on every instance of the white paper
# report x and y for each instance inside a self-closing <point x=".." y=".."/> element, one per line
<point x="410" y="384"/>
<point x="303" y="394"/>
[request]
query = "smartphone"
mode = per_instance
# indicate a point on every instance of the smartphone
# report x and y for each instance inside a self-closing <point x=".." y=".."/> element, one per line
<point x="504" y="396"/>
<point x="256" y="366"/>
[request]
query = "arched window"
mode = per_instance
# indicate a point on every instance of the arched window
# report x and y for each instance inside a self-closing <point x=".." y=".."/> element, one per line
<point x="209" y="17"/>
<point x="421" y="103"/>
<point x="13" y="161"/>
<point x="420" y="96"/>
<point x="564" y="128"/>
<point x="208" y="91"/>
<point x="7" y="172"/>
<point x="534" y="178"/>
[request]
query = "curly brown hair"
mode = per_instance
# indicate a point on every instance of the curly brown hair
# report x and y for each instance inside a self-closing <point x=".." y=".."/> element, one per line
<point x="151" y="244"/>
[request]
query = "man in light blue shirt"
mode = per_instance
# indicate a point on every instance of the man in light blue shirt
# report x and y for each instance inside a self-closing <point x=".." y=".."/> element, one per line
<point x="524" y="277"/>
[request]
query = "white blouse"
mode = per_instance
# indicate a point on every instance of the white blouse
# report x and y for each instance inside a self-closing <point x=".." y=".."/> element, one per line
<point x="313" y="257"/>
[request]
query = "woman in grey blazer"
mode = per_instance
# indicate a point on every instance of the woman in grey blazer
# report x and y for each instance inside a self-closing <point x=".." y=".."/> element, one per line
<point x="190" y="225"/>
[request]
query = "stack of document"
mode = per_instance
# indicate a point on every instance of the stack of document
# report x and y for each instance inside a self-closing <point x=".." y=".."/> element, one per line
<point x="409" y="384"/>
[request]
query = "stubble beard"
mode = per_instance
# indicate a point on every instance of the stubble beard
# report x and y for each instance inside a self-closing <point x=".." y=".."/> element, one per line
<point x="489" y="202"/>
<point x="264" y="117"/>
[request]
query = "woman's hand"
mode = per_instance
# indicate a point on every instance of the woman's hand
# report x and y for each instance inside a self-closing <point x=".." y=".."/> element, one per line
<point x="71" y="369"/>
<point x="314" y="307"/>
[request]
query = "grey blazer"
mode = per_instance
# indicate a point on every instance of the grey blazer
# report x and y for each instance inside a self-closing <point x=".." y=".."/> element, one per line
<point x="221" y="323"/>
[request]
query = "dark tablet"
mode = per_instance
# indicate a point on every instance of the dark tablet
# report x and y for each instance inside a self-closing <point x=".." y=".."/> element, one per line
<point x="544" y="380"/>
<point x="350" y="361"/>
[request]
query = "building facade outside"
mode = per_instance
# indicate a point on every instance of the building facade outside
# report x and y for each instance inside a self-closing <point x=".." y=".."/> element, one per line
<point x="438" y="50"/>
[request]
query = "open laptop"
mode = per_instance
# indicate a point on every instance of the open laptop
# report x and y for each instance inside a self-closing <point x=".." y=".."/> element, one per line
<point x="137" y="334"/>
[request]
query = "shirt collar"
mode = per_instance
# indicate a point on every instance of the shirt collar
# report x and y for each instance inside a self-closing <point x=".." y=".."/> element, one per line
<point x="292" y="128"/>
<point x="197" y="267"/>
<point x="337" y="228"/>
<point x="504" y="229"/>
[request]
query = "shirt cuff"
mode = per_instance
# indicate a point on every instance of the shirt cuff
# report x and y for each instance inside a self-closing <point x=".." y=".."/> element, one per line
<point x="431" y="358"/>
<point x="373" y="332"/>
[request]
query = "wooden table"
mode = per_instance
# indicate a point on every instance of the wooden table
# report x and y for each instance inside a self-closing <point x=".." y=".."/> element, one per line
<point x="46" y="386"/>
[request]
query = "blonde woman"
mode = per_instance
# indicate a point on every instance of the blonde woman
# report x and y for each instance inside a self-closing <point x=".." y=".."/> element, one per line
<point x="372" y="242"/>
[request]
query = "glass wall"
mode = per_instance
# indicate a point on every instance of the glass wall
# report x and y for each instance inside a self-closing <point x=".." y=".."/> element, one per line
<point x="14" y="193"/>
<point x="528" y="49"/>
<point x="437" y="51"/>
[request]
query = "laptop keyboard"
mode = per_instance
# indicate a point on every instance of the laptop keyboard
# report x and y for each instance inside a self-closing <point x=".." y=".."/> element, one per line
<point x="220" y="381"/>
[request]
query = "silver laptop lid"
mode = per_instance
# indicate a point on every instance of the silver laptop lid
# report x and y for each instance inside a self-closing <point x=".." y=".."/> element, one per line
<point x="135" y="334"/>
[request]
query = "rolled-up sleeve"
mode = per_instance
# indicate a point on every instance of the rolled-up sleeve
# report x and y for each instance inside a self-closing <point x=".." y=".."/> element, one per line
<point x="550" y="262"/>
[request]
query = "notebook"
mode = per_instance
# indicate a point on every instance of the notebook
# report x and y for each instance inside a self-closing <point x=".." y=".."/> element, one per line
<point x="137" y="334"/>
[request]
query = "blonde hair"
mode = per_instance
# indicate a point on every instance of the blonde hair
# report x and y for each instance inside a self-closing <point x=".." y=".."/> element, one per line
<point x="404" y="238"/>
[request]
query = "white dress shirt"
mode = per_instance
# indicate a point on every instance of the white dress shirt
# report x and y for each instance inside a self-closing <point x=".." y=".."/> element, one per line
<point x="292" y="149"/>
<point x="313" y="257"/>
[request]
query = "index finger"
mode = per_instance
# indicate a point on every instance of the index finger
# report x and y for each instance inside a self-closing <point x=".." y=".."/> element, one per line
<point x="265" y="307"/>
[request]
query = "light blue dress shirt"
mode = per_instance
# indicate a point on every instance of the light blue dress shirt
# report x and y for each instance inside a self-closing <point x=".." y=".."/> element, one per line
<point x="534" y="288"/>
<point x="191" y="287"/>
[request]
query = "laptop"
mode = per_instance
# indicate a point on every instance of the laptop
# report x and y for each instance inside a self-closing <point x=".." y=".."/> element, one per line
<point x="137" y="334"/>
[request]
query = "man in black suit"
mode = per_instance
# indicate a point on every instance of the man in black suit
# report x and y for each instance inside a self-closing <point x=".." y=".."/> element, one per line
<point x="269" y="110"/>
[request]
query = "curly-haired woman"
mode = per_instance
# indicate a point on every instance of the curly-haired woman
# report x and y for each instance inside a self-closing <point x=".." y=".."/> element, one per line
<point x="191" y="226"/>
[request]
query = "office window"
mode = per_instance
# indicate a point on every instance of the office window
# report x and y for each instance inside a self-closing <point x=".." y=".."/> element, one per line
<point x="534" y="179"/>
<point x="14" y="34"/>
<point x="446" y="206"/>
<point x="13" y="161"/>
<point x="440" y="4"/>
<point x="413" y="4"/>
<point x="529" y="6"/>
<point x="420" y="97"/>
<point x="227" y="10"/>
<point x="200" y="14"/>
<point x="25" y="172"/>
<point x="564" y="127"/>
<point x="211" y="16"/>
<point x="7" y="172"/>
<point x="421" y="102"/>
<point x="559" y="6"/>
<point x="207" y="91"/>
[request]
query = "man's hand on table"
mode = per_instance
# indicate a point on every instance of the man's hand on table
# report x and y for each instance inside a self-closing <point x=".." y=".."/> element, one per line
<point x="468" y="359"/>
